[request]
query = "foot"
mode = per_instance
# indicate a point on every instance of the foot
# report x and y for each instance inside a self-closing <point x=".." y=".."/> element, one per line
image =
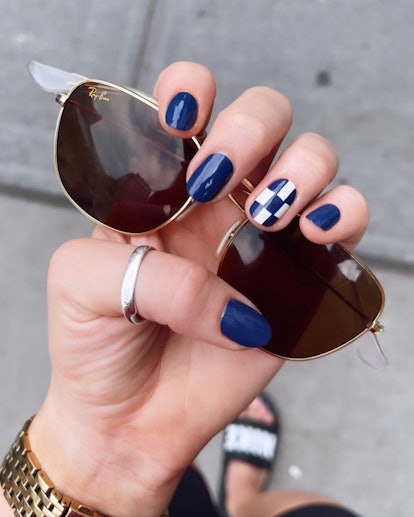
<point x="250" y="447"/>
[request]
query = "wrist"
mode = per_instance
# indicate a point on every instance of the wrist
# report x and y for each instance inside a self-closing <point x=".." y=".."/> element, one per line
<point x="78" y="478"/>
<point x="28" y="489"/>
<point x="103" y="471"/>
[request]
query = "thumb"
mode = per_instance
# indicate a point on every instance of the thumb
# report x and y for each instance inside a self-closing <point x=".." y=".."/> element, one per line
<point x="169" y="290"/>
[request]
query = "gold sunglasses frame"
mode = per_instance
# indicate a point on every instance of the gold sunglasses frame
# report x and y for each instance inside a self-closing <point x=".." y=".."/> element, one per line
<point x="63" y="84"/>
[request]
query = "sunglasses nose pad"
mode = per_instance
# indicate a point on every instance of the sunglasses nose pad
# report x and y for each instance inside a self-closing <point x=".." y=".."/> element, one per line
<point x="370" y="352"/>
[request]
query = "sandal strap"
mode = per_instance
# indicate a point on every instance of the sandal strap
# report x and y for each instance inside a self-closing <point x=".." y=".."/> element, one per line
<point x="253" y="444"/>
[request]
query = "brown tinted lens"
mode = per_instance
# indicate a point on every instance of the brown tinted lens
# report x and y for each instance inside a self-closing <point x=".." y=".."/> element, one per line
<point x="117" y="163"/>
<point x="317" y="298"/>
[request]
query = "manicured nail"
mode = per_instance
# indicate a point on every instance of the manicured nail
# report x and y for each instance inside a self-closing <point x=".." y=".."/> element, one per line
<point x="273" y="202"/>
<point x="210" y="177"/>
<point x="182" y="111"/>
<point x="325" y="216"/>
<point x="245" y="325"/>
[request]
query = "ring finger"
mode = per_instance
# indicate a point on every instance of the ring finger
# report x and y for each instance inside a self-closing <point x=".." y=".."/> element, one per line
<point x="302" y="171"/>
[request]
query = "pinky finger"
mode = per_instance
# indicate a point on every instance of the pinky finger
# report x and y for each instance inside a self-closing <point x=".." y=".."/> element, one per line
<point x="340" y="215"/>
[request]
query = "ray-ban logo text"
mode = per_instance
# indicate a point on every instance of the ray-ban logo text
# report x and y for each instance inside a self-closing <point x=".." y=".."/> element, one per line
<point x="98" y="95"/>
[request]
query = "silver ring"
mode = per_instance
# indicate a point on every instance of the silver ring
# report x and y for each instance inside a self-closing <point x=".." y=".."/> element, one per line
<point x="129" y="309"/>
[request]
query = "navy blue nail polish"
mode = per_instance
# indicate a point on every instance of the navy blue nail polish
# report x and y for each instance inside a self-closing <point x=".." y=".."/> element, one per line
<point x="325" y="216"/>
<point x="245" y="325"/>
<point x="273" y="202"/>
<point x="210" y="177"/>
<point x="182" y="111"/>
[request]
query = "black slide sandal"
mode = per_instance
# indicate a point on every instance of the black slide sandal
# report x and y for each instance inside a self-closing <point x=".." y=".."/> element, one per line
<point x="251" y="441"/>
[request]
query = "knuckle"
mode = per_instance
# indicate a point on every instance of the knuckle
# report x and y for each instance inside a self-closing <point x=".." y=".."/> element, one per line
<point x="317" y="155"/>
<point x="260" y="114"/>
<point x="59" y="273"/>
<point x="318" y="150"/>
<point x="255" y="125"/>
<point x="190" y="295"/>
<point x="273" y="103"/>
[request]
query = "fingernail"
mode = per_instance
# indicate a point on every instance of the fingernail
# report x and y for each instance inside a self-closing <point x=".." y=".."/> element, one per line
<point x="325" y="216"/>
<point x="245" y="325"/>
<point x="210" y="177"/>
<point x="273" y="202"/>
<point x="182" y="111"/>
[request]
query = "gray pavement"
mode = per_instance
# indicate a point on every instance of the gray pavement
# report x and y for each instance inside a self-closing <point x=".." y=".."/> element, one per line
<point x="347" y="66"/>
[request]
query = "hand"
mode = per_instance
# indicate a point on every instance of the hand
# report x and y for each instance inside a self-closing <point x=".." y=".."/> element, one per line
<point x="129" y="407"/>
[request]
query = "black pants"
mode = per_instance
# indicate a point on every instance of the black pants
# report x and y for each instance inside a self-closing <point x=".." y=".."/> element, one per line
<point x="192" y="499"/>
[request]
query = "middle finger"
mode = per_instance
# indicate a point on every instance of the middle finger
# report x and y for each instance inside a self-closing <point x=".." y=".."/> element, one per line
<point x="244" y="134"/>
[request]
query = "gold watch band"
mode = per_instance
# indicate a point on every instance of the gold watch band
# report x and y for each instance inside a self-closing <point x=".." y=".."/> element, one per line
<point x="28" y="489"/>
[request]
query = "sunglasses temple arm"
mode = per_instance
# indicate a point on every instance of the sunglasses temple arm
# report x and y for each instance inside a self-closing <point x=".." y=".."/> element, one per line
<point x="370" y="351"/>
<point x="53" y="80"/>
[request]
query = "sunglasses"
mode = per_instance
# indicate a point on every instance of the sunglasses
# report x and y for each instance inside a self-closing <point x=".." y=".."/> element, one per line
<point x="119" y="167"/>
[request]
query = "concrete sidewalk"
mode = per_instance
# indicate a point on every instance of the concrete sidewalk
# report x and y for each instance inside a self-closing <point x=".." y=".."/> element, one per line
<point x="347" y="67"/>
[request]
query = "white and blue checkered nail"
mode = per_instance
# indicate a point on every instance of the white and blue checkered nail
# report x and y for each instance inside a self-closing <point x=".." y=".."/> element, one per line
<point x="273" y="202"/>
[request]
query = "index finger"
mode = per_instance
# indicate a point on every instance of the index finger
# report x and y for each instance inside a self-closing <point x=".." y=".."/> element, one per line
<point x="185" y="93"/>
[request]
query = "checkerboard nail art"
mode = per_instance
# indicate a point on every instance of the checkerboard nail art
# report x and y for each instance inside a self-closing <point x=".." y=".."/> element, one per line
<point x="273" y="202"/>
